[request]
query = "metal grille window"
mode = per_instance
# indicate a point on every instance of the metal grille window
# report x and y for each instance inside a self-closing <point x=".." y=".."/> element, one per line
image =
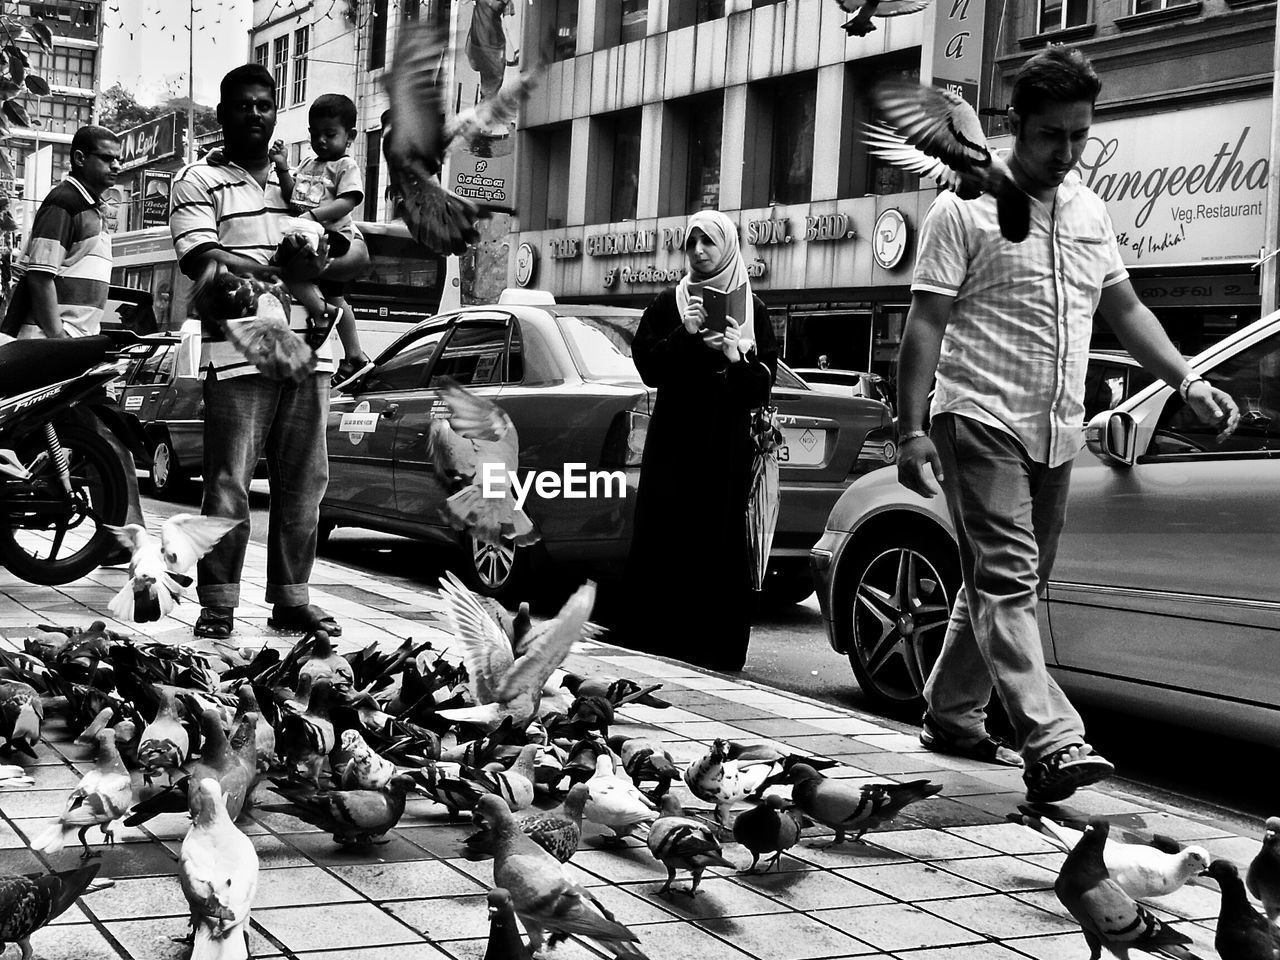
<point x="1060" y="14"/>
<point x="301" y="46"/>
<point x="635" y="20"/>
<point x="280" y="70"/>
<point x="260" y="55"/>
<point x="378" y="35"/>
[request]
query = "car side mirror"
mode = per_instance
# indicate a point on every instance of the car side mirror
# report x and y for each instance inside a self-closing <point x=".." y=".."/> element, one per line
<point x="1112" y="437"/>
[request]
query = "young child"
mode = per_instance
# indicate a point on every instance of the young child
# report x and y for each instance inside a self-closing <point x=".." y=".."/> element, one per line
<point x="326" y="188"/>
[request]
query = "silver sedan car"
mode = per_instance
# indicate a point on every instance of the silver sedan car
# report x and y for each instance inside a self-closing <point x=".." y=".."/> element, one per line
<point x="1165" y="596"/>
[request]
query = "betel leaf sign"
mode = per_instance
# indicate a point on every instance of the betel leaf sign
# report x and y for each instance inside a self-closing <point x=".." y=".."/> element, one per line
<point x="150" y="141"/>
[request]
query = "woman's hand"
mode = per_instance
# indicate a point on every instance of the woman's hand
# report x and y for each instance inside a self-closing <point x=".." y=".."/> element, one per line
<point x="732" y="334"/>
<point x="695" y="315"/>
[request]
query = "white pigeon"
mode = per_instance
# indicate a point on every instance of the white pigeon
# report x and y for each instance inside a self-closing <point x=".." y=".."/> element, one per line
<point x="14" y="776"/>
<point x="159" y="569"/>
<point x="364" y="768"/>
<point x="103" y="795"/>
<point x="1140" y="869"/>
<point x="715" y="778"/>
<point x="614" y="801"/>
<point x="936" y="133"/>
<point x="218" y="872"/>
<point x="501" y="684"/>
<point x="861" y="24"/>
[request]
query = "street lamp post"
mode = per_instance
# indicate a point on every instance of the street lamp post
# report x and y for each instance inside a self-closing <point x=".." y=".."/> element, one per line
<point x="191" y="101"/>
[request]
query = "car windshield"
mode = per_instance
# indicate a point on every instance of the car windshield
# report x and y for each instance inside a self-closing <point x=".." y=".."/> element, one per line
<point x="601" y="344"/>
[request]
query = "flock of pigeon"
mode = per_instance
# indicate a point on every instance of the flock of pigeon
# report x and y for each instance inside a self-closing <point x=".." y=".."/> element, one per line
<point x="342" y="740"/>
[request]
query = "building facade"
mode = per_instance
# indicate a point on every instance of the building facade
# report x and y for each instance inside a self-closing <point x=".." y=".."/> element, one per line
<point x="1180" y="143"/>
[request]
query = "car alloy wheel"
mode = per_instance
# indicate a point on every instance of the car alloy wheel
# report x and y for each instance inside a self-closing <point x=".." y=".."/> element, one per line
<point x="493" y="563"/>
<point x="900" y="603"/>
<point x="166" y="474"/>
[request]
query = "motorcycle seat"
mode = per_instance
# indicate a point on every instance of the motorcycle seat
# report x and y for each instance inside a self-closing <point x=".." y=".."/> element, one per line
<point x="31" y="364"/>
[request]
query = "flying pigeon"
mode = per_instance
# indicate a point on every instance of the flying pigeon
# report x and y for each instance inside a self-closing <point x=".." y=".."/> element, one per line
<point x="218" y="873"/>
<point x="1108" y="916"/>
<point x="416" y="136"/>
<point x="254" y="316"/>
<point x="1263" y="877"/>
<point x="1140" y="869"/>
<point x="500" y="684"/>
<point x="846" y="807"/>
<point x="474" y="454"/>
<point x="861" y="24"/>
<point x="767" y="828"/>
<point x="21" y="713"/>
<point x="939" y="135"/>
<point x="1242" y="932"/>
<point x="682" y="843"/>
<point x="103" y="795"/>
<point x="159" y="569"/>
<point x="30" y="903"/>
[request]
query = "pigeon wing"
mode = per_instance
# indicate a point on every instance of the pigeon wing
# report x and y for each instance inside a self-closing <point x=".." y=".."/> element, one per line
<point x="485" y="648"/>
<point x="939" y="122"/>
<point x="554" y="641"/>
<point x="413" y="87"/>
<point x="185" y="538"/>
<point x="888" y="144"/>
<point x="473" y="416"/>
<point x="896" y="8"/>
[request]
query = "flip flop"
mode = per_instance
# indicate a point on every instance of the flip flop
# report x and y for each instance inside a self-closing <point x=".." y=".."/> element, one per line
<point x="306" y="618"/>
<point x="988" y="750"/>
<point x="215" y="624"/>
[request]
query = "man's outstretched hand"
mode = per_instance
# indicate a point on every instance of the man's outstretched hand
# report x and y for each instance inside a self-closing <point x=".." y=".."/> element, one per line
<point x="1214" y="406"/>
<point x="919" y="467"/>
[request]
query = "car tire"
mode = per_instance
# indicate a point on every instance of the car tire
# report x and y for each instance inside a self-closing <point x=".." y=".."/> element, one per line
<point x="786" y="583"/>
<point x="892" y="644"/>
<point x="504" y="572"/>
<point x="168" y="480"/>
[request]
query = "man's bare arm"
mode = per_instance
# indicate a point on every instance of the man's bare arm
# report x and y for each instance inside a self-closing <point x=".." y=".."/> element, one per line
<point x="44" y="303"/>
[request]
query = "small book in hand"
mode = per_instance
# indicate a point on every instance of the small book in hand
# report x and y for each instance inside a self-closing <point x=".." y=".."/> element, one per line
<point x="720" y="305"/>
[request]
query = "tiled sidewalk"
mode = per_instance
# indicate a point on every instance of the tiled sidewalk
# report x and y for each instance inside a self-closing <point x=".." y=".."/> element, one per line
<point x="952" y="877"/>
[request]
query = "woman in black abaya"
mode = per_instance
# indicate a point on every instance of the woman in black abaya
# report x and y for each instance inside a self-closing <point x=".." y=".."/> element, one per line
<point x="688" y="584"/>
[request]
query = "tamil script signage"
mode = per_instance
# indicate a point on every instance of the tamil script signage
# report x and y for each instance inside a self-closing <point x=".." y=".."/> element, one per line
<point x="150" y="142"/>
<point x="957" y="46"/>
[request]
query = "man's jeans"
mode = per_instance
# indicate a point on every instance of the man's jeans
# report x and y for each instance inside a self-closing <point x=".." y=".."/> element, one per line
<point x="1008" y="512"/>
<point x="243" y="417"/>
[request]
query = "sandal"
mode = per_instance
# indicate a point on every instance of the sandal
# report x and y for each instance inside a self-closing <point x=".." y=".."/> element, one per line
<point x="988" y="750"/>
<point x="215" y="623"/>
<point x="306" y="618"/>
<point x="1058" y="775"/>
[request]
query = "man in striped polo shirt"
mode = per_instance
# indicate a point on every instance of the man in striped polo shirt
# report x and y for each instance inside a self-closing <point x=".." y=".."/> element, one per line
<point x="1006" y="327"/>
<point x="230" y="213"/>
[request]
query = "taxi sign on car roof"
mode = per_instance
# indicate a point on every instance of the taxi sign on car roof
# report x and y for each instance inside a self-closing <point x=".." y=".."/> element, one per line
<point x="514" y="295"/>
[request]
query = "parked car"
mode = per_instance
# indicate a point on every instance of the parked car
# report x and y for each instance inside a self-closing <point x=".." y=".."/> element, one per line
<point x="1164" y="598"/>
<point x="846" y="383"/>
<point x="565" y="376"/>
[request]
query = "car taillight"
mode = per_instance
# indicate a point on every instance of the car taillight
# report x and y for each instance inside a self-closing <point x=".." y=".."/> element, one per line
<point x="624" y="444"/>
<point x="879" y="448"/>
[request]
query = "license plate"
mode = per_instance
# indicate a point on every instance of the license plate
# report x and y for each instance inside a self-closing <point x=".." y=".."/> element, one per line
<point x="802" y="447"/>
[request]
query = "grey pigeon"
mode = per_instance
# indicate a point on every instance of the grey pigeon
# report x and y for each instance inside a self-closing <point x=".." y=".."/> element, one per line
<point x="682" y="843"/>
<point x="1242" y="932"/>
<point x="861" y="24"/>
<point x="846" y="807"/>
<point x="768" y="828"/>
<point x="1263" y="877"/>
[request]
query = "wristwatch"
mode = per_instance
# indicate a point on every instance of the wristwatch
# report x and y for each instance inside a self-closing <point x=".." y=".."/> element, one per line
<point x="911" y="435"/>
<point x="1186" y="383"/>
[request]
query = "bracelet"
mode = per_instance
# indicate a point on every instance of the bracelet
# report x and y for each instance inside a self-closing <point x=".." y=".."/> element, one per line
<point x="912" y="435"/>
<point x="1185" y="386"/>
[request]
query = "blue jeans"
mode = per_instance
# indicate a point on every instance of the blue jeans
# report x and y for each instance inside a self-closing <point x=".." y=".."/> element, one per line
<point x="245" y="418"/>
<point x="1008" y="511"/>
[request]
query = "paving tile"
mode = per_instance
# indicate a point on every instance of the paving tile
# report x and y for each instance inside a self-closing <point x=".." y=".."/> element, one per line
<point x="1046" y="900"/>
<point x="682" y="941"/>
<point x="17" y="860"/>
<point x="131" y="899"/>
<point x="944" y="812"/>
<point x="154" y="939"/>
<point x="812" y="890"/>
<point x="1005" y="837"/>
<point x="717" y="897"/>
<point x="1193" y="901"/>
<point x="725" y="710"/>
<point x="445" y="918"/>
<point x="1239" y="849"/>
<point x="913" y="881"/>
<point x="621" y="865"/>
<point x="1094" y="803"/>
<point x="707" y="730"/>
<point x="832" y="745"/>
<point x="321" y="848"/>
<point x="897" y="926"/>
<point x="9" y="839"/>
<point x="334" y="925"/>
<point x="476" y="950"/>
<point x="300" y="886"/>
<point x="417" y="951"/>
<point x="846" y="854"/>
<point x="968" y="951"/>
<point x="660" y="716"/>
<point x="928" y="844"/>
<point x="1005" y="874"/>
<point x="407" y="880"/>
<point x="1181" y="828"/>
<point x="779" y="727"/>
<point x="275" y="852"/>
<point x="631" y="905"/>
<point x="1062" y="946"/>
<point x="442" y="840"/>
<point x="999" y="916"/>
<point x="887" y="763"/>
<point x="79" y="942"/>
<point x="122" y="860"/>
<point x="790" y="936"/>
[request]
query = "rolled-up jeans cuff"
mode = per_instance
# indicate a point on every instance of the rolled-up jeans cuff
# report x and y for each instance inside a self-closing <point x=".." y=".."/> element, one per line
<point x="219" y="595"/>
<point x="288" y="594"/>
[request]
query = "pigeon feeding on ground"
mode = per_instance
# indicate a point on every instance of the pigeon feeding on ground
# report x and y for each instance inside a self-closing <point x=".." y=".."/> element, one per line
<point x="416" y="136"/>
<point x="362" y="768"/>
<point x="715" y="778"/>
<point x="861" y="24"/>
<point x="475" y="454"/>
<point x="646" y="760"/>
<point x="558" y="833"/>
<point x="159" y="568"/>
<point x="1242" y="932"/>
<point x="501" y="684"/>
<point x="682" y="843"/>
<point x="353" y="817"/>
<point x="505" y="942"/>
<point x="102" y="796"/>
<point x="165" y="743"/>
<point x="1108" y="916"/>
<point x="767" y="828"/>
<point x="1263" y="877"/>
<point x="846" y="807"/>
<point x="615" y="802"/>
<point x="619" y="692"/>
<point x="936" y="133"/>
<point x="29" y="903"/>
<point x="21" y="713"/>
<point x="218" y="873"/>
<point x="1142" y="870"/>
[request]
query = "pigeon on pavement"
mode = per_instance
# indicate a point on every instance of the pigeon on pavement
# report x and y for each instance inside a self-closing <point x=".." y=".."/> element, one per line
<point x="558" y="833"/>
<point x="1263" y="877"/>
<point x="615" y="802"/>
<point x="505" y="942"/>
<point x="159" y="568"/>
<point x="619" y="692"/>
<point x="682" y="843"/>
<point x="1242" y="932"/>
<point x="646" y="760"/>
<point x="716" y="779"/>
<point x="326" y="662"/>
<point x="353" y="817"/>
<point x="934" y="132"/>
<point x="165" y="742"/>
<point x="28" y="903"/>
<point x="21" y="713"/>
<point x="861" y="24"/>
<point x="264" y="733"/>
<point x="218" y="873"/>
<point x="767" y="828"/>
<point x="543" y="897"/>
<point x="102" y="796"/>
<point x="846" y="807"/>
<point x="363" y="768"/>
<point x="306" y="739"/>
<point x="1108" y="916"/>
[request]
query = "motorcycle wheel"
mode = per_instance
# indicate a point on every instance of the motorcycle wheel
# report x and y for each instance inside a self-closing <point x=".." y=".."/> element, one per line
<point x="60" y="550"/>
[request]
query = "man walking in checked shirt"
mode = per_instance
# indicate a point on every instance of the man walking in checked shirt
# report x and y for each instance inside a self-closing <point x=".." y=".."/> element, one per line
<point x="1005" y="328"/>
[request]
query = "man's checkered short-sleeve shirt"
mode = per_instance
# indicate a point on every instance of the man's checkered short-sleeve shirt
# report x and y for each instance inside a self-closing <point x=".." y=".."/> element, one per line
<point x="1016" y="348"/>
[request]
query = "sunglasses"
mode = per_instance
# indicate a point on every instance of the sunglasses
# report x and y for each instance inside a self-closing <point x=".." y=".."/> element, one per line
<point x="105" y="157"/>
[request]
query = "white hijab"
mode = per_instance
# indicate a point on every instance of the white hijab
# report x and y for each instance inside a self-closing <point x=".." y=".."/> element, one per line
<point x="729" y="274"/>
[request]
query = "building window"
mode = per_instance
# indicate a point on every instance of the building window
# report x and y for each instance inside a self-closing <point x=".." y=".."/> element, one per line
<point x="709" y="10"/>
<point x="705" y="126"/>
<point x="544" y="182"/>
<point x="60" y="114"/>
<point x="764" y="3"/>
<point x="64" y="66"/>
<point x="410" y="10"/>
<point x="561" y="32"/>
<point x="378" y="35"/>
<point x="882" y="176"/>
<point x="295" y="151"/>
<point x="372" y="161"/>
<point x="260" y="56"/>
<point x="791" y="167"/>
<point x="626" y="166"/>
<point x="1150" y="6"/>
<point x="301" y="46"/>
<point x="280" y="66"/>
<point x="1060" y="14"/>
<point x="635" y="20"/>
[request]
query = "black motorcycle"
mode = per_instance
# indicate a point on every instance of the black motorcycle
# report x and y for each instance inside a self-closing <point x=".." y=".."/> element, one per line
<point x="61" y="481"/>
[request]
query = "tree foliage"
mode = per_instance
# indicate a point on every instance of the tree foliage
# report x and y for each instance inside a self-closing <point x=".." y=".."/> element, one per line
<point x="119" y="109"/>
<point x="16" y="76"/>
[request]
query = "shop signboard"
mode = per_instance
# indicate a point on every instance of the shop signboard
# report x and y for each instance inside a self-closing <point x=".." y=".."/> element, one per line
<point x="150" y="142"/>
<point x="957" y="46"/>
<point x="155" y="197"/>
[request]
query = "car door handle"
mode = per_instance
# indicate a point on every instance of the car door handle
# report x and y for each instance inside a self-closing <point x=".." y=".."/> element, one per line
<point x="154" y="394"/>
<point x="390" y="411"/>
